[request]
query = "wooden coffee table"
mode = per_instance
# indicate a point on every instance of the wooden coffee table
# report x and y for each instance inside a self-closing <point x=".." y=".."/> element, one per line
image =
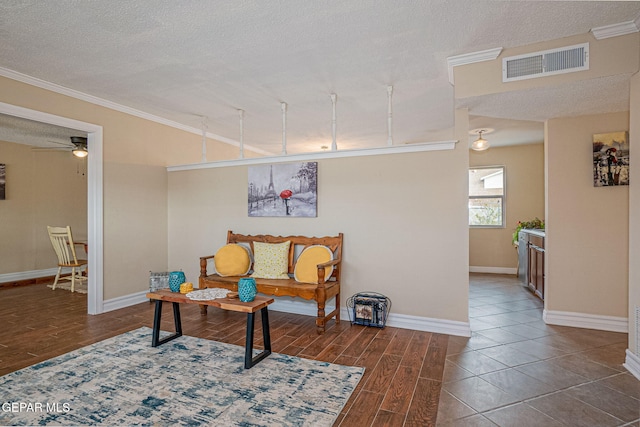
<point x="231" y="304"/>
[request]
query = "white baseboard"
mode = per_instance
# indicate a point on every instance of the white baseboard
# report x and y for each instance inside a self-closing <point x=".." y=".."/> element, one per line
<point x="632" y="363"/>
<point x="440" y="326"/>
<point x="493" y="270"/>
<point x="124" y="301"/>
<point x="402" y="321"/>
<point x="309" y="308"/>
<point x="26" y="275"/>
<point x="587" y="321"/>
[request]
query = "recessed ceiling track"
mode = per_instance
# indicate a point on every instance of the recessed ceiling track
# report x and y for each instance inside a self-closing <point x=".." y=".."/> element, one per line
<point x="546" y="63"/>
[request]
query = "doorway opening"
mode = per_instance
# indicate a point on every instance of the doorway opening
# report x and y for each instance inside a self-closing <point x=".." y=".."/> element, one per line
<point x="95" y="303"/>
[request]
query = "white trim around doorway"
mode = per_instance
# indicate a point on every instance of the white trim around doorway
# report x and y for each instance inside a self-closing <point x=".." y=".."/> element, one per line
<point x="95" y="303"/>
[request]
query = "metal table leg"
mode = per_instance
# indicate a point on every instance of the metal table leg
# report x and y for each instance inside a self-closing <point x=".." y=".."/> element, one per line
<point x="249" y="359"/>
<point x="157" y="318"/>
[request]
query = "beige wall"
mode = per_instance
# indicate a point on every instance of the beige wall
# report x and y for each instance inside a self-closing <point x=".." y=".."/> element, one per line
<point x="634" y="215"/>
<point x="524" y="201"/>
<point x="608" y="57"/>
<point x="43" y="188"/>
<point x="136" y="152"/>
<point x="590" y="237"/>
<point x="403" y="216"/>
<point x="414" y="240"/>
<point x="587" y="262"/>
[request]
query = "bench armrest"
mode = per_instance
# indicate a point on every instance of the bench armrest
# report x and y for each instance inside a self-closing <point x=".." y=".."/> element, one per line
<point x="328" y="263"/>
<point x="321" y="267"/>
<point x="203" y="265"/>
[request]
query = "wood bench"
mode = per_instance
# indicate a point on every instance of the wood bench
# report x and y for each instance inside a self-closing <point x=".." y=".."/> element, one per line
<point x="321" y="292"/>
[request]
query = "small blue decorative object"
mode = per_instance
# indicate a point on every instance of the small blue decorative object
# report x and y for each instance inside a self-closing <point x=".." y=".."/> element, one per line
<point x="247" y="289"/>
<point x="176" y="278"/>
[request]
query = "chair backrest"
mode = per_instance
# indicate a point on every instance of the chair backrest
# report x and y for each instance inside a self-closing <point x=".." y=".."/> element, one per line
<point x="62" y="242"/>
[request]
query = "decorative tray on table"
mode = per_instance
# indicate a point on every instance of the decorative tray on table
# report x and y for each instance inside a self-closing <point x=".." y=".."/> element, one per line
<point x="208" y="294"/>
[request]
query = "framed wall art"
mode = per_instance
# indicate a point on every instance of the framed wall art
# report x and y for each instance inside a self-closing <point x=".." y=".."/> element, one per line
<point x="283" y="190"/>
<point x="3" y="181"/>
<point x="611" y="159"/>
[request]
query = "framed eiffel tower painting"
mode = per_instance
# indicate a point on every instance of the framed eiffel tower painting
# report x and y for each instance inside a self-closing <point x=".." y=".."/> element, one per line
<point x="283" y="190"/>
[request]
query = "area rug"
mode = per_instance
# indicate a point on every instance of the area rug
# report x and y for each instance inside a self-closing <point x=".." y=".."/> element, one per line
<point x="80" y="287"/>
<point x="187" y="381"/>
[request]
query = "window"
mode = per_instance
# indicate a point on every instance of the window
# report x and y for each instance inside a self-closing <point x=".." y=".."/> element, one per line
<point x="486" y="196"/>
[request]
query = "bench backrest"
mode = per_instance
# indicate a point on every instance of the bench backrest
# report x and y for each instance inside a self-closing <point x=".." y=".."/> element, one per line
<point x="298" y="244"/>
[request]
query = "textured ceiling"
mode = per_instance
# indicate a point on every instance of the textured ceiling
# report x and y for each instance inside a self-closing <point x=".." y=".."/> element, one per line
<point x="24" y="131"/>
<point x="184" y="60"/>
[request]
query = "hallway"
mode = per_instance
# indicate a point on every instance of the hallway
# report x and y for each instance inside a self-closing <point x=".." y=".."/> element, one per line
<point x="517" y="370"/>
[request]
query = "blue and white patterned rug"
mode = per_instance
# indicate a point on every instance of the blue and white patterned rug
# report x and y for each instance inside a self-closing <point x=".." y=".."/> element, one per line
<point x="188" y="381"/>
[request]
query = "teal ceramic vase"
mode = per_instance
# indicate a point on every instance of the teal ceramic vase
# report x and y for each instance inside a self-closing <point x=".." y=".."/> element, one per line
<point x="247" y="289"/>
<point x="176" y="278"/>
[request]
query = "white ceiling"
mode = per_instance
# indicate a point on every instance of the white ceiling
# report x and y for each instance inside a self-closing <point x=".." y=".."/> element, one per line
<point x="24" y="131"/>
<point x="182" y="60"/>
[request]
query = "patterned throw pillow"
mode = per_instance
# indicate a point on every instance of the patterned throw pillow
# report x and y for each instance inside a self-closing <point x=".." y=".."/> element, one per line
<point x="306" y="270"/>
<point x="271" y="260"/>
<point x="232" y="260"/>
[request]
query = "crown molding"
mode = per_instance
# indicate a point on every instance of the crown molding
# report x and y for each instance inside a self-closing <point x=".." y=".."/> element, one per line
<point x="33" y="81"/>
<point x="470" y="58"/>
<point x="303" y="157"/>
<point x="615" y="30"/>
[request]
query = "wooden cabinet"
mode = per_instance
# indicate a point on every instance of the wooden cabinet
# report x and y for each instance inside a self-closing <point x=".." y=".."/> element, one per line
<point x="535" y="265"/>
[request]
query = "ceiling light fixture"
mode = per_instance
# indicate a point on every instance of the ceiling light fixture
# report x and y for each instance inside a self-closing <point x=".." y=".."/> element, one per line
<point x="80" y="152"/>
<point x="480" y="144"/>
<point x="80" y="149"/>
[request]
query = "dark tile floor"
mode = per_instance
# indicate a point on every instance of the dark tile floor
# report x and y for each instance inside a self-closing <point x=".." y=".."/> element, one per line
<point x="515" y="370"/>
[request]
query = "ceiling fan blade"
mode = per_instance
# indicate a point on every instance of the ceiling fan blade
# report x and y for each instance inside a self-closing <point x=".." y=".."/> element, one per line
<point x="64" y="144"/>
<point x="51" y="148"/>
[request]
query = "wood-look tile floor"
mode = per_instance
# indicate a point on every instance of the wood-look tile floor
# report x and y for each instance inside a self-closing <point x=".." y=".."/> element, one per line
<point x="404" y="368"/>
<point x="514" y="370"/>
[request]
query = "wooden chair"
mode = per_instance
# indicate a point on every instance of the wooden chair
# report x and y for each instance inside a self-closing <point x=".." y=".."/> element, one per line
<point x="64" y="247"/>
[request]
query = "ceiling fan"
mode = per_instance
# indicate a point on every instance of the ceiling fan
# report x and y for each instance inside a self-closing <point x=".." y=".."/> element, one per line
<point x="78" y="146"/>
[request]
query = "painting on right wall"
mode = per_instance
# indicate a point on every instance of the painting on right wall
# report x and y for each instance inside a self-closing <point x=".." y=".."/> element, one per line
<point x="3" y="181"/>
<point x="610" y="159"/>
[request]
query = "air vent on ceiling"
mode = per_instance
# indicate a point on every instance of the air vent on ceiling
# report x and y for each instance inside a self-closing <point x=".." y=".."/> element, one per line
<point x="546" y="63"/>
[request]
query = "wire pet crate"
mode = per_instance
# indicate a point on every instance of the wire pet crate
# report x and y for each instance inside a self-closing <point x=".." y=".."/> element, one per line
<point x="369" y="309"/>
